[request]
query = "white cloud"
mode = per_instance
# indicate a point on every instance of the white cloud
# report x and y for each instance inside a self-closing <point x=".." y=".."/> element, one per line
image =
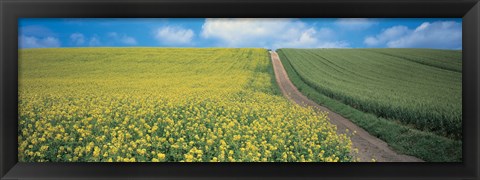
<point x="94" y="41"/>
<point x="35" y="42"/>
<point x="174" y="35"/>
<point x="37" y="37"/>
<point x="123" y="38"/>
<point x="112" y="38"/>
<point x="275" y="33"/>
<point x="77" y="38"/>
<point x="128" y="40"/>
<point x="355" y="23"/>
<point x="439" y="34"/>
<point x="387" y="35"/>
<point x="309" y="39"/>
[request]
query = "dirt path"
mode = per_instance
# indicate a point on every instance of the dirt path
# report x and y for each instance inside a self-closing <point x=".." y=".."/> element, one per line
<point x="368" y="146"/>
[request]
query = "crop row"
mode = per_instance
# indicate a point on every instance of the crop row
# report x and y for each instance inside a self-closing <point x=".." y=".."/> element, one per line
<point x="423" y="96"/>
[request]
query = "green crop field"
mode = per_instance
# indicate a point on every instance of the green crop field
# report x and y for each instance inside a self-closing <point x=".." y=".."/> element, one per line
<point x="416" y="90"/>
<point x="164" y="105"/>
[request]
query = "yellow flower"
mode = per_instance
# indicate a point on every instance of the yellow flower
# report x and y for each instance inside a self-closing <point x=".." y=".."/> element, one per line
<point x="43" y="148"/>
<point x="96" y="151"/>
<point x="171" y="105"/>
<point x="161" y="156"/>
<point x="189" y="158"/>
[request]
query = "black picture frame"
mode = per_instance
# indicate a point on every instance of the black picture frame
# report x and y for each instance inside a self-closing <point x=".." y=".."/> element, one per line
<point x="11" y="10"/>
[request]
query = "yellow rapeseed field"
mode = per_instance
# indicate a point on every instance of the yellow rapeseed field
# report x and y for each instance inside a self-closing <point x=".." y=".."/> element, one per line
<point x="164" y="105"/>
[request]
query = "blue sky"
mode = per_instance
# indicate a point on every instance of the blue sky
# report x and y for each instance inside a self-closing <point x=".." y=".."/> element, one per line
<point x="438" y="33"/>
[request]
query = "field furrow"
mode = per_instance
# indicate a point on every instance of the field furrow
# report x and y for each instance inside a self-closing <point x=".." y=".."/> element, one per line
<point x="415" y="108"/>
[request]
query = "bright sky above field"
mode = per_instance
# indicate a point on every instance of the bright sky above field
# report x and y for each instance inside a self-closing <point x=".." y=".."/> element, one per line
<point x="438" y="33"/>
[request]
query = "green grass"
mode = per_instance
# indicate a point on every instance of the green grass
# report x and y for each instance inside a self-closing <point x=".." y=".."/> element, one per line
<point x="398" y="100"/>
<point x="424" y="96"/>
<point x="449" y="60"/>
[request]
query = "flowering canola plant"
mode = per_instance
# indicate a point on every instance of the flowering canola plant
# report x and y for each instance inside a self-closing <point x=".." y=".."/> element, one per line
<point x="164" y="105"/>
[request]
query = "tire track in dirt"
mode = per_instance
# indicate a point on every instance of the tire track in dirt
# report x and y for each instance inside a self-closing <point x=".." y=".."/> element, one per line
<point x="369" y="147"/>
